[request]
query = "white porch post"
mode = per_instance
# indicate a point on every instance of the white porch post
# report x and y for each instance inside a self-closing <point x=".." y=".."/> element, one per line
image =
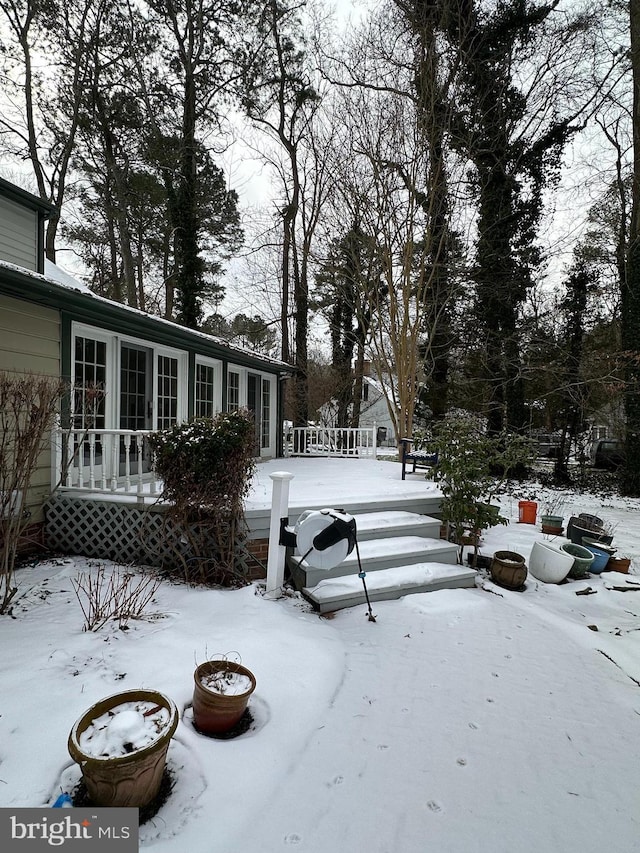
<point x="56" y="455"/>
<point x="277" y="552"/>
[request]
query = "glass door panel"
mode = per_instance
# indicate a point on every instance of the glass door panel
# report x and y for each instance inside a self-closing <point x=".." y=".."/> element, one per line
<point x="136" y="402"/>
<point x="254" y="405"/>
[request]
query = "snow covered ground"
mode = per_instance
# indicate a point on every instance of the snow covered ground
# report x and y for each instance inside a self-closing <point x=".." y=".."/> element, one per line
<point x="466" y="721"/>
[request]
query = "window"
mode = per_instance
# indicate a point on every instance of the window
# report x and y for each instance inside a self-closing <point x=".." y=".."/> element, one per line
<point x="205" y="391"/>
<point x="265" y="425"/>
<point x="233" y="391"/>
<point x="89" y="375"/>
<point x="167" y="397"/>
<point x="135" y="387"/>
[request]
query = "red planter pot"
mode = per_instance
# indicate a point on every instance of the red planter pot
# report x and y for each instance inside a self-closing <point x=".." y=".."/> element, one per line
<point x="214" y="712"/>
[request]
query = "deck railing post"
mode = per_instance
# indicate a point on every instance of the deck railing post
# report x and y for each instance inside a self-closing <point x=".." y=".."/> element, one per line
<point x="277" y="552"/>
<point x="56" y="455"/>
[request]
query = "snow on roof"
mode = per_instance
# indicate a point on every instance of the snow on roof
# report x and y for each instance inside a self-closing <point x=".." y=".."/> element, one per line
<point x="60" y="277"/>
<point x="55" y="273"/>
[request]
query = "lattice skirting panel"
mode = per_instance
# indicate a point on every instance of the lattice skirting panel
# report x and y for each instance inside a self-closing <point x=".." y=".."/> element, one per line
<point x="121" y="532"/>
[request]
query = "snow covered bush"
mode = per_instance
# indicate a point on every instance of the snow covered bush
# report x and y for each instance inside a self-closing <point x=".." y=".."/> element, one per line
<point x="206" y="467"/>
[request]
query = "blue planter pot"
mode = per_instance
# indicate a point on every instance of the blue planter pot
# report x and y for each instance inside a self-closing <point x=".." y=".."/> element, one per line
<point x="601" y="558"/>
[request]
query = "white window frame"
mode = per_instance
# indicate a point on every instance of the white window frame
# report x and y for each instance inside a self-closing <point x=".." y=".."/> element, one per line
<point x="241" y="373"/>
<point x="111" y="400"/>
<point x="269" y="450"/>
<point x="113" y="341"/>
<point x="217" y="382"/>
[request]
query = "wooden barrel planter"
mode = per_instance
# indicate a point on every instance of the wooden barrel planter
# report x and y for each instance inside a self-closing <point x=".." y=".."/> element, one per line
<point x="508" y="569"/>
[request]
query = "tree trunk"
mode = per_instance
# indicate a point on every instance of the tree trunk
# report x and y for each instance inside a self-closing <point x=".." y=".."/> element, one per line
<point x="630" y="306"/>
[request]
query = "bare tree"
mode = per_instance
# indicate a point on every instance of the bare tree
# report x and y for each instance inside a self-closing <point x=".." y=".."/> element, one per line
<point x="44" y="112"/>
<point x="281" y="99"/>
<point x="631" y="290"/>
<point x="394" y="169"/>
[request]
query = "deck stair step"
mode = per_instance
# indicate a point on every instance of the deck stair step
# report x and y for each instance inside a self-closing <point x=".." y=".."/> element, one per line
<point x="401" y="553"/>
<point x="387" y="584"/>
<point x="381" y="525"/>
<point x="376" y="555"/>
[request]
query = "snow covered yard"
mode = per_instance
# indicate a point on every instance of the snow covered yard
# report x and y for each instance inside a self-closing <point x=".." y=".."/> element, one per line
<point x="461" y="721"/>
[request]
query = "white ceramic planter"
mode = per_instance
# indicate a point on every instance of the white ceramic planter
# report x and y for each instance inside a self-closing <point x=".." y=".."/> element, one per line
<point x="548" y="563"/>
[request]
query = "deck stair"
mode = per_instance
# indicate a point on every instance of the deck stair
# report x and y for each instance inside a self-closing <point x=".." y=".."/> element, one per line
<point x="401" y="552"/>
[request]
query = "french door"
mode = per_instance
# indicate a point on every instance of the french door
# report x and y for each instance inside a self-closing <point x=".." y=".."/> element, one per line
<point x="136" y="402"/>
<point x="254" y="405"/>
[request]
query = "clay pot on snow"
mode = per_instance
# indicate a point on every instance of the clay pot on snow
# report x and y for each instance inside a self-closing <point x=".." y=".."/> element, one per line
<point x="552" y="520"/>
<point x="121" y="746"/>
<point x="508" y="569"/>
<point x="582" y="560"/>
<point x="619" y="564"/>
<point x="221" y="693"/>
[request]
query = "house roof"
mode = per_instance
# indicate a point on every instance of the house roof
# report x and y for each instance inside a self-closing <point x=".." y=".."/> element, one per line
<point x="24" y="198"/>
<point x="57" y="289"/>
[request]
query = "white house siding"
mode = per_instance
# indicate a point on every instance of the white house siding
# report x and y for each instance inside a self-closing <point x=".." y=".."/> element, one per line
<point x="18" y="235"/>
<point x="374" y="410"/>
<point x="30" y="341"/>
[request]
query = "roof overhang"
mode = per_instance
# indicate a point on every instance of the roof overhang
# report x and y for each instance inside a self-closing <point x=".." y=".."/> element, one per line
<point x="26" y="199"/>
<point x="106" y="314"/>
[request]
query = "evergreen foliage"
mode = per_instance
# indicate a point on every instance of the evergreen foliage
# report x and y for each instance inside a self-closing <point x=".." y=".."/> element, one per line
<point x="206" y="467"/>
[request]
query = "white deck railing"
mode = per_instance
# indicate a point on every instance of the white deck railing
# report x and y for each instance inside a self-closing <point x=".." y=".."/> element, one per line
<point x="118" y="460"/>
<point x="103" y="460"/>
<point x="333" y="441"/>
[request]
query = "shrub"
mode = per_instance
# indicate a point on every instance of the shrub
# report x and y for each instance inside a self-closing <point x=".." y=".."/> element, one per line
<point x="471" y="468"/>
<point x="119" y="594"/>
<point x="206" y="467"/>
<point x="28" y="407"/>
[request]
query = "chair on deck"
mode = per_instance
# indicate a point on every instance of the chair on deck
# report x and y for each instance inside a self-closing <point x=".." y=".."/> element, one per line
<point x="416" y="458"/>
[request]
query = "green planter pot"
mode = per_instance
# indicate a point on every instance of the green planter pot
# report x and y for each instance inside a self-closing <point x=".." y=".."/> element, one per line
<point x="582" y="559"/>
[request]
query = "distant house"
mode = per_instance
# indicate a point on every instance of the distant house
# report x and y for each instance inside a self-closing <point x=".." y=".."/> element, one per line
<point x="373" y="409"/>
<point x="154" y="372"/>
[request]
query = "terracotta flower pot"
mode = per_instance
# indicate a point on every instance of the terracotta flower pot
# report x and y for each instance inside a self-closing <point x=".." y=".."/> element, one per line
<point x="134" y="778"/>
<point x="550" y="530"/>
<point x="508" y="569"/>
<point x="619" y="564"/>
<point x="215" y="712"/>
